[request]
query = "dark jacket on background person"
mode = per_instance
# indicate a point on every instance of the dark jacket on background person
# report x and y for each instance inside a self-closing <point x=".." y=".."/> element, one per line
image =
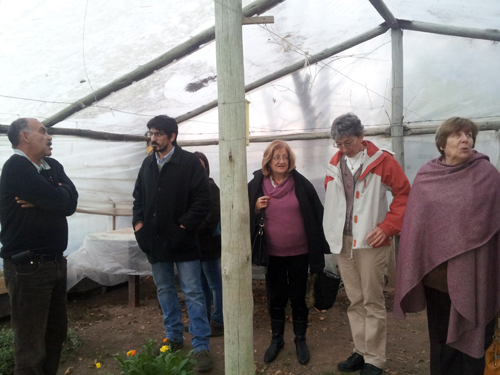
<point x="312" y="213"/>
<point x="43" y="229"/>
<point x="210" y="245"/>
<point x="163" y="200"/>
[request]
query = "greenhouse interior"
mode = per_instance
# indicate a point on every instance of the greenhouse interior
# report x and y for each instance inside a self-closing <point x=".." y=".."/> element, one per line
<point x="96" y="73"/>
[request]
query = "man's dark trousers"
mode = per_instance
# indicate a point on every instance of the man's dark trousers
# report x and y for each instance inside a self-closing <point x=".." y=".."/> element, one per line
<point x="37" y="291"/>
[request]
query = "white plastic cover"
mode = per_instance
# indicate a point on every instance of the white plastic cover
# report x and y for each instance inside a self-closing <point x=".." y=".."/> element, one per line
<point x="107" y="258"/>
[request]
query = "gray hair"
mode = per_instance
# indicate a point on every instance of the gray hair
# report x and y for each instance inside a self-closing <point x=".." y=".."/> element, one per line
<point x="15" y="129"/>
<point x="346" y="125"/>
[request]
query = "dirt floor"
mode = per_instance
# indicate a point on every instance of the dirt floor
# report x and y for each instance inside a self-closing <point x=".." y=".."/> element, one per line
<point x="107" y="327"/>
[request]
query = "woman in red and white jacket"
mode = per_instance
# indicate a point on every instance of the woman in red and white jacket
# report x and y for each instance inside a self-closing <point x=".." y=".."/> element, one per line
<point x="358" y="226"/>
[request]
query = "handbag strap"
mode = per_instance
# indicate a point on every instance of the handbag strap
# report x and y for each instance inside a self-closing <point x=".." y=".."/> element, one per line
<point x="261" y="220"/>
<point x="262" y="216"/>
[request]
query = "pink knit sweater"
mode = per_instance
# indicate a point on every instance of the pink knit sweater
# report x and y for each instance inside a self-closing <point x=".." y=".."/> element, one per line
<point x="284" y="225"/>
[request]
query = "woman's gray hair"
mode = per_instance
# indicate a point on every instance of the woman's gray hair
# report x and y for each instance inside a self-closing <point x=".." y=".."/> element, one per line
<point x="346" y="125"/>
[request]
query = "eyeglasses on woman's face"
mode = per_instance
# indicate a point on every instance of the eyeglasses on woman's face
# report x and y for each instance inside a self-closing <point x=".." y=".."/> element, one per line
<point x="280" y="157"/>
<point x="155" y="134"/>
<point x="348" y="143"/>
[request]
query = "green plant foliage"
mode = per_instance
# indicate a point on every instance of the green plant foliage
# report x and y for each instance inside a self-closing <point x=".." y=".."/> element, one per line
<point x="147" y="363"/>
<point x="71" y="344"/>
<point x="6" y="351"/>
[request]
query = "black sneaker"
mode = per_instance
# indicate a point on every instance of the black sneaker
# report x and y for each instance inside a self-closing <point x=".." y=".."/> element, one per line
<point x="174" y="345"/>
<point x="353" y="363"/>
<point x="204" y="362"/>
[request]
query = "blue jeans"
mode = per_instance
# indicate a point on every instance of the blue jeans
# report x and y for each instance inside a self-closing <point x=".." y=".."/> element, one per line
<point x="37" y="294"/>
<point x="189" y="276"/>
<point x="211" y="283"/>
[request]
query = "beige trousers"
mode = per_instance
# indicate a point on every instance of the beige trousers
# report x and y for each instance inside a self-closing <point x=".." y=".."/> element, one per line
<point x="363" y="276"/>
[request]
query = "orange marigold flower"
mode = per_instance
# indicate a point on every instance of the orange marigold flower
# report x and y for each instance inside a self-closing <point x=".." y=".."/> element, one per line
<point x="165" y="339"/>
<point x="131" y="353"/>
<point x="98" y="365"/>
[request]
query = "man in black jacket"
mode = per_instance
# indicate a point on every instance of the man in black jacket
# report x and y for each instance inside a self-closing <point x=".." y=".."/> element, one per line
<point x="35" y="198"/>
<point x="171" y="199"/>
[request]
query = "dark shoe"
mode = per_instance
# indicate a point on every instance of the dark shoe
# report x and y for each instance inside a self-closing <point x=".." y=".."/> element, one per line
<point x="217" y="329"/>
<point x="174" y="345"/>
<point x="353" y="363"/>
<point x="277" y="342"/>
<point x="204" y="361"/>
<point x="300" y="328"/>
<point x="369" y="369"/>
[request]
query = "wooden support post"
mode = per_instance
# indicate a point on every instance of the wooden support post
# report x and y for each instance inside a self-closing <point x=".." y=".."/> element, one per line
<point x="236" y="258"/>
<point x="397" y="129"/>
<point x="134" y="291"/>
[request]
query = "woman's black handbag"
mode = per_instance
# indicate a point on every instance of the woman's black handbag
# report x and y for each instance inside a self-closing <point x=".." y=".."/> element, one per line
<point x="326" y="288"/>
<point x="259" y="250"/>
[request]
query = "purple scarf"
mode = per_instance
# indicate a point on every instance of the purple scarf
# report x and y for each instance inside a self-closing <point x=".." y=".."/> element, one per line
<point x="453" y="215"/>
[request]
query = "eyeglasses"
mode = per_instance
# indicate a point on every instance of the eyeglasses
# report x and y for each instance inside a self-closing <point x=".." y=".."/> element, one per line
<point x="280" y="157"/>
<point x="345" y="144"/>
<point x="156" y="134"/>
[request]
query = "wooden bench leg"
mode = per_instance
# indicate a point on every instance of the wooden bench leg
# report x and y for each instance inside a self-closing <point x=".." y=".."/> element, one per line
<point x="134" y="291"/>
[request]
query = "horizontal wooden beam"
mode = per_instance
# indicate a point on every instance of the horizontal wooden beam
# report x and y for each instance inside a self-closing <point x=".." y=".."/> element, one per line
<point x="175" y="54"/>
<point x="88" y="134"/>
<point x="257" y="20"/>
<point x="385" y="130"/>
<point x="487" y="34"/>
<point x="295" y="67"/>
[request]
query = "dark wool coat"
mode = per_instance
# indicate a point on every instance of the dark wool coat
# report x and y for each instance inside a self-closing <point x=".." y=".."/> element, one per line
<point x="43" y="228"/>
<point x="178" y="195"/>
<point x="312" y="213"/>
<point x="211" y="245"/>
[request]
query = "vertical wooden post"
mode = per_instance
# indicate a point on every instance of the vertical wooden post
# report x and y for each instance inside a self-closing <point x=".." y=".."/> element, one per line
<point x="397" y="130"/>
<point x="134" y="291"/>
<point x="236" y="258"/>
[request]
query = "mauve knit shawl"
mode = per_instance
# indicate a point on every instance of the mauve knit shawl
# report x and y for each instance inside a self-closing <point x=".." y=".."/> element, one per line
<point x="453" y="215"/>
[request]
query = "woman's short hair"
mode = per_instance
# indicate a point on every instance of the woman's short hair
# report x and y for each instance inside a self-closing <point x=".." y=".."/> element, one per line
<point x="203" y="158"/>
<point x="268" y="156"/>
<point x="451" y="126"/>
<point x="346" y="125"/>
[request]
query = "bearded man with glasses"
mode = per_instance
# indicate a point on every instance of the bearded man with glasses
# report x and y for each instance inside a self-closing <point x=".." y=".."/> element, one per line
<point x="172" y="198"/>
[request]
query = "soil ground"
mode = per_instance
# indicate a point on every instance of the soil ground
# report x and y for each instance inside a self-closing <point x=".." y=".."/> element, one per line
<point x="107" y="327"/>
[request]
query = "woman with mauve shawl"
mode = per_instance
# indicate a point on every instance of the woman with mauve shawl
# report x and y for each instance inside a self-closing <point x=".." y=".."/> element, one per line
<point x="449" y="254"/>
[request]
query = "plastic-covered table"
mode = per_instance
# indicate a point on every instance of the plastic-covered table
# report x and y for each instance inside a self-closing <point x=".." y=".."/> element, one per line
<point x="110" y="258"/>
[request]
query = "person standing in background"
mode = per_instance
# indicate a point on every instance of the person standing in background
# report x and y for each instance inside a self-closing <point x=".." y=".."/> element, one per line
<point x="210" y="244"/>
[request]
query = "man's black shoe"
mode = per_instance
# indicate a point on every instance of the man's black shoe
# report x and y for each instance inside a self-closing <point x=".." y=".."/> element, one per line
<point x="174" y="345"/>
<point x="369" y="369"/>
<point x="353" y="363"/>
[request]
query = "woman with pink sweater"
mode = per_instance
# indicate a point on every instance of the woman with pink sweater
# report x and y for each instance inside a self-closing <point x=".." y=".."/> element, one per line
<point x="295" y="241"/>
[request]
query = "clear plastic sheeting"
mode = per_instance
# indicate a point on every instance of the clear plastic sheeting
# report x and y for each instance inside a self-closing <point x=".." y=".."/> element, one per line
<point x="107" y="258"/>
